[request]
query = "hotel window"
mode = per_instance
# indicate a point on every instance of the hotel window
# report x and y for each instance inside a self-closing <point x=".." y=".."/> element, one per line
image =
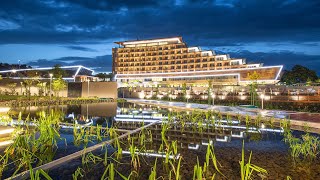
<point x="172" y="67"/>
<point x="191" y="66"/>
<point x="211" y="65"/>
<point x="184" y="56"/>
<point x="191" y="61"/>
<point x="204" y="65"/>
<point x="226" y="64"/>
<point x="160" y="63"/>
<point x="178" y="67"/>
<point x="160" y="48"/>
<point x="219" y="64"/>
<point x="185" y="61"/>
<point x="160" y="53"/>
<point x="185" y="67"/>
<point x="198" y="60"/>
<point x="198" y="66"/>
<point x="160" y="68"/>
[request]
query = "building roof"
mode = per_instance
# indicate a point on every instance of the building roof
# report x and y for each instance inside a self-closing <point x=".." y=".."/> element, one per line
<point x="144" y="41"/>
<point x="71" y="72"/>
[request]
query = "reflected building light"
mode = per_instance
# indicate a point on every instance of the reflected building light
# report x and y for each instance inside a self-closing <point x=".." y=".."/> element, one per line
<point x="5" y="143"/>
<point x="225" y="139"/>
<point x="136" y="120"/>
<point x="193" y="146"/>
<point x="6" y="131"/>
<point x="4" y="109"/>
<point x="241" y="135"/>
<point x="153" y="154"/>
<point x="206" y="142"/>
<point x="141" y="95"/>
<point x="204" y="96"/>
<point x="243" y="97"/>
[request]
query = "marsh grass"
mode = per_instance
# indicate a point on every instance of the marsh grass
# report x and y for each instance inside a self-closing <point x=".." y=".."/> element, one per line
<point x="247" y="169"/>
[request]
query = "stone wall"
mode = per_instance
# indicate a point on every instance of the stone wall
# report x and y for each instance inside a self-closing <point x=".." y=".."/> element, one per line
<point x="96" y="89"/>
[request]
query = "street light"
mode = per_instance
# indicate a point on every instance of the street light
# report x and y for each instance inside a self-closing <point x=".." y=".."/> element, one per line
<point x="51" y="75"/>
<point x="213" y="97"/>
<point x="262" y="98"/>
<point x="88" y="80"/>
<point x="21" y="84"/>
<point x="188" y="96"/>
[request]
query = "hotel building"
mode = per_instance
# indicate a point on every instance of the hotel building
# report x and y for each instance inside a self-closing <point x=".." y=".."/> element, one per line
<point x="170" y="61"/>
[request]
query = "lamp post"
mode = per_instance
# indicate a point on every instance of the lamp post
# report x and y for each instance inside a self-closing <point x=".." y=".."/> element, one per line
<point x="51" y="75"/>
<point x="88" y="80"/>
<point x="262" y="98"/>
<point x="21" y="83"/>
<point x="187" y="96"/>
<point x="213" y="96"/>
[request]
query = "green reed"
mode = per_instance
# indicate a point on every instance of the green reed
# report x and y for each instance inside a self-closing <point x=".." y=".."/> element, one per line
<point x="248" y="168"/>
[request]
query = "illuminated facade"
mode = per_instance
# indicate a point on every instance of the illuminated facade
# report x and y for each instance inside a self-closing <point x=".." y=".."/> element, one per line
<point x="171" y="61"/>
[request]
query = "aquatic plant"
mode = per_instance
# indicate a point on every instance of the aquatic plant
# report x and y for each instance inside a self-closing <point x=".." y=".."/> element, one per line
<point x="153" y="174"/>
<point x="197" y="171"/>
<point x="78" y="173"/>
<point x="246" y="169"/>
<point x="306" y="147"/>
<point x="176" y="170"/>
<point x="36" y="175"/>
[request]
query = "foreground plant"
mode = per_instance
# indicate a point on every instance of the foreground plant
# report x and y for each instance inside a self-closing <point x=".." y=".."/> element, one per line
<point x="247" y="169"/>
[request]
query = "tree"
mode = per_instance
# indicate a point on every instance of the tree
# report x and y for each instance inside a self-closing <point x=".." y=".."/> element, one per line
<point x="41" y="87"/>
<point x="184" y="91"/>
<point x="58" y="85"/>
<point x="27" y="84"/>
<point x="12" y="87"/>
<point x="58" y="72"/>
<point x="299" y="74"/>
<point x="104" y="76"/>
<point x="209" y="90"/>
<point x="253" y="86"/>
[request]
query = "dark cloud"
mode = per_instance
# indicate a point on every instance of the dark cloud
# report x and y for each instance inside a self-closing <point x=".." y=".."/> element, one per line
<point x="80" y="48"/>
<point x="107" y="5"/>
<point x="201" y="22"/>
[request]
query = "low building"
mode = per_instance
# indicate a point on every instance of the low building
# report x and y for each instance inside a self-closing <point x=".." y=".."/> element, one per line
<point x="72" y="73"/>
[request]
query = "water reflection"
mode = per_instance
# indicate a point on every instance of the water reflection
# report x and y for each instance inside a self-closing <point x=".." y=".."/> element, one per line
<point x="189" y="135"/>
<point x="79" y="112"/>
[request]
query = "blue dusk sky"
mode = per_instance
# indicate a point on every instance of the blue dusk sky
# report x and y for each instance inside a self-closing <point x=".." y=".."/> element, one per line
<point x="82" y="32"/>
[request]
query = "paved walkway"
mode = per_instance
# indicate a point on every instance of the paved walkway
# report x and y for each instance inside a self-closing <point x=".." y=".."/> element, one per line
<point x="299" y="119"/>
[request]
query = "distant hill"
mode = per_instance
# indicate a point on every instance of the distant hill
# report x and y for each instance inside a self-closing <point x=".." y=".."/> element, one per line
<point x="6" y="66"/>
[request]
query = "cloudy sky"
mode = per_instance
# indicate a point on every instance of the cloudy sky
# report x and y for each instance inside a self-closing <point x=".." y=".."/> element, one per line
<point x="47" y="32"/>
